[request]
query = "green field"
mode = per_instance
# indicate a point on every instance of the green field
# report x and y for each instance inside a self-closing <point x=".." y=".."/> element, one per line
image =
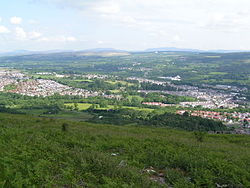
<point x="115" y="91"/>
<point x="83" y="80"/>
<point x="217" y="73"/>
<point x="136" y="96"/>
<point x="85" y="106"/>
<point x="121" y="82"/>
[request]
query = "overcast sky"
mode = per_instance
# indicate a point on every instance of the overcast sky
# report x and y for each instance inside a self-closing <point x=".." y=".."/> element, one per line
<point x="124" y="24"/>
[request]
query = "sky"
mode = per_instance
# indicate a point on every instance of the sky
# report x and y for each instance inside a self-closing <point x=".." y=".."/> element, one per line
<point x="40" y="25"/>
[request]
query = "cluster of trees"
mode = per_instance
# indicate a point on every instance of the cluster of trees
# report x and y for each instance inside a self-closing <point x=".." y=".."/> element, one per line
<point x="165" y="98"/>
<point x="186" y="122"/>
<point x="94" y="85"/>
<point x="150" y="86"/>
<point x="11" y="102"/>
<point x="128" y="116"/>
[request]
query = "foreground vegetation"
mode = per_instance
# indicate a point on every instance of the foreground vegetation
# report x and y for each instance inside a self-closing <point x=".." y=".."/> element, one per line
<point x="42" y="152"/>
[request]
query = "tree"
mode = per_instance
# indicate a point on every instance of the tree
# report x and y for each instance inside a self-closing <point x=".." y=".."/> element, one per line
<point x="103" y="104"/>
<point x="135" y="101"/>
<point x="93" y="106"/>
<point x="76" y="106"/>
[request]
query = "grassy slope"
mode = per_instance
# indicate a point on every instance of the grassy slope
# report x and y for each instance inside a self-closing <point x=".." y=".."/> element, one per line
<point x="34" y="151"/>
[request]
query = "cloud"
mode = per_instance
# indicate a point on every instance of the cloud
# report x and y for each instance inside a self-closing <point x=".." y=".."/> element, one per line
<point x="107" y="8"/>
<point x="4" y="29"/>
<point x="100" y="42"/>
<point x="70" y="39"/>
<point x="192" y="23"/>
<point x="34" y="35"/>
<point x="33" y="22"/>
<point x="0" y="19"/>
<point x="58" y="39"/>
<point x="129" y="20"/>
<point x="221" y="15"/>
<point x="76" y="4"/>
<point x="16" y="20"/>
<point x="227" y="22"/>
<point x="177" y="38"/>
<point x="21" y="34"/>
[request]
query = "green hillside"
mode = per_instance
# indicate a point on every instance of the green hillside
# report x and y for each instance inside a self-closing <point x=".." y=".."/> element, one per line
<point x="39" y="152"/>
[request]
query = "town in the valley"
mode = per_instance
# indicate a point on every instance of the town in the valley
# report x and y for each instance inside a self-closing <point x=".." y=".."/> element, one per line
<point x="209" y="98"/>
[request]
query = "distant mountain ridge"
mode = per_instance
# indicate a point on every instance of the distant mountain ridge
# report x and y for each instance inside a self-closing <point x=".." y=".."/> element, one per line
<point x="103" y="50"/>
<point x="28" y="52"/>
<point x="174" y="49"/>
<point x="98" y="51"/>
